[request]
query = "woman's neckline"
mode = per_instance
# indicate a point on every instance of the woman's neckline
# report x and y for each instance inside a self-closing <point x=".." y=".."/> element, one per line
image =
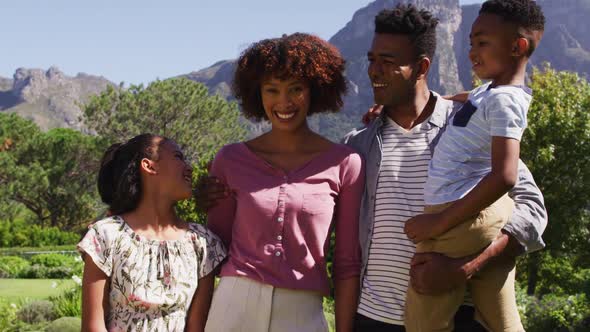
<point x="312" y="160"/>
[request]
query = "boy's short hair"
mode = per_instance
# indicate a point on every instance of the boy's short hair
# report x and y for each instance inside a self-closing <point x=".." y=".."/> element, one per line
<point x="418" y="25"/>
<point x="526" y="14"/>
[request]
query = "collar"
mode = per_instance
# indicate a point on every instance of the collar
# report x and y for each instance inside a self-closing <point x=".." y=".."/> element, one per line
<point x="438" y="118"/>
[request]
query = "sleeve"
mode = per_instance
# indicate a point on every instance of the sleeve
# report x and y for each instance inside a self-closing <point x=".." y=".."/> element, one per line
<point x="210" y="251"/>
<point x="529" y="218"/>
<point x="347" y="257"/>
<point x="97" y="244"/>
<point x="220" y="218"/>
<point x="507" y="115"/>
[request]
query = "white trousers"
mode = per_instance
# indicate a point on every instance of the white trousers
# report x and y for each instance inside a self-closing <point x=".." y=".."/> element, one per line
<point x="242" y="304"/>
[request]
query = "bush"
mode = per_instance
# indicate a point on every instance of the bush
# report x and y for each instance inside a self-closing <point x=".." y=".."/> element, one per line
<point x="7" y="313"/>
<point x="37" y="312"/>
<point x="12" y="266"/>
<point x="65" y="324"/>
<point x="69" y="303"/>
<point x="52" y="266"/>
<point x="20" y="233"/>
<point x="53" y="260"/>
<point x="562" y="275"/>
<point x="554" y="312"/>
<point x="43" y="272"/>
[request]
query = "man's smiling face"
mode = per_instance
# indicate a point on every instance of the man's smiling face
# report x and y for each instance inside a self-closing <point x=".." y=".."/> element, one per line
<point x="392" y="67"/>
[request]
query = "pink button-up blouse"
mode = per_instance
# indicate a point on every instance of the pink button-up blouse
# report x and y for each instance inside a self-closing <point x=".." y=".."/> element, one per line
<point x="277" y="227"/>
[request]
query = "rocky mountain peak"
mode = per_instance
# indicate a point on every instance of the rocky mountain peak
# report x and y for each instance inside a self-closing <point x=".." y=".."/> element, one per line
<point x="50" y="97"/>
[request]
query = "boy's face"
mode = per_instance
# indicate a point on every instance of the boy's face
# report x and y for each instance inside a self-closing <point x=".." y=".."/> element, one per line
<point x="492" y="47"/>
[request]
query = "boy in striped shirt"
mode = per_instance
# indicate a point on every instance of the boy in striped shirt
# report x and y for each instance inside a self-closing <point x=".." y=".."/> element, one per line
<point x="474" y="166"/>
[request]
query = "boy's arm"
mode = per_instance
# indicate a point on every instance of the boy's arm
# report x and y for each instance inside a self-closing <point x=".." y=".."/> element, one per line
<point x="433" y="273"/>
<point x="505" y="153"/>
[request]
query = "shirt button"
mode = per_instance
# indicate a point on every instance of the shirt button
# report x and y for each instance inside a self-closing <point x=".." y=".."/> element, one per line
<point x="281" y="203"/>
<point x="280" y="219"/>
<point x="278" y="253"/>
<point x="285" y="178"/>
<point x="279" y="238"/>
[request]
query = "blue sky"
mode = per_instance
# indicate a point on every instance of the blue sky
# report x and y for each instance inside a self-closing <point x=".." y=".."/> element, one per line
<point x="138" y="41"/>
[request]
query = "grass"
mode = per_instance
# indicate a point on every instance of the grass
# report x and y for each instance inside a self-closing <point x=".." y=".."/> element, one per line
<point x="17" y="290"/>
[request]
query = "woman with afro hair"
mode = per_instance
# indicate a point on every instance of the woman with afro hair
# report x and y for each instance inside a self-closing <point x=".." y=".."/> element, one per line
<point x="290" y="189"/>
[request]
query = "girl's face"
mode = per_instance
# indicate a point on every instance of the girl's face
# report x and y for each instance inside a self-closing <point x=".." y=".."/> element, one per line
<point x="174" y="173"/>
<point x="286" y="102"/>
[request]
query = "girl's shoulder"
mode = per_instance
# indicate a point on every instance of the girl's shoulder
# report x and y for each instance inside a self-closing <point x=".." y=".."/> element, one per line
<point x="201" y="233"/>
<point x="109" y="225"/>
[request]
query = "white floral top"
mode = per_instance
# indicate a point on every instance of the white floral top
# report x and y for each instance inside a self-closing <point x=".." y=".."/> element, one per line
<point x="152" y="282"/>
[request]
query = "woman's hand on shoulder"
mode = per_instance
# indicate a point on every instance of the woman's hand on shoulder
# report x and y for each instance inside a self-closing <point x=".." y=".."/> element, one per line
<point x="208" y="191"/>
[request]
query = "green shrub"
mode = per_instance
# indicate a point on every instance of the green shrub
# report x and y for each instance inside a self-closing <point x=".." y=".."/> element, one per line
<point x="20" y="233"/>
<point x="69" y="303"/>
<point x="53" y="260"/>
<point x="34" y="272"/>
<point x="52" y="266"/>
<point x="42" y="272"/>
<point x="554" y="312"/>
<point x="562" y="275"/>
<point x="65" y="324"/>
<point x="12" y="266"/>
<point x="7" y="313"/>
<point x="37" y="312"/>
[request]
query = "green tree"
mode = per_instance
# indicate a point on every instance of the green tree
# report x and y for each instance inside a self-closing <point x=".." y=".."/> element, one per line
<point x="177" y="108"/>
<point x="556" y="147"/>
<point x="52" y="174"/>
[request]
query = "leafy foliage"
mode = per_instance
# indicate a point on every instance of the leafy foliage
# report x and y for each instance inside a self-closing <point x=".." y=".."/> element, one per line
<point x="37" y="312"/>
<point x="556" y="147"/>
<point x="554" y="312"/>
<point x="177" y="108"/>
<point x="65" y="324"/>
<point x="12" y="266"/>
<point x="20" y="234"/>
<point x="69" y="303"/>
<point x="52" y="174"/>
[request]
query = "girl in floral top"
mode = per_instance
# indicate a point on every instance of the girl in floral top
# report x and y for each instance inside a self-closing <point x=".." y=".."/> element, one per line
<point x="145" y="268"/>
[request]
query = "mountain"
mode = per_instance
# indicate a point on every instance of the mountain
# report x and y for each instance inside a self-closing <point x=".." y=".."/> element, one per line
<point x="353" y="41"/>
<point x="566" y="45"/>
<point x="50" y="98"/>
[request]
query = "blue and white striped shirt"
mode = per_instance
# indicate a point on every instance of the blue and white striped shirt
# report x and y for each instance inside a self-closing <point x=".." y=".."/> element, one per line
<point x="463" y="156"/>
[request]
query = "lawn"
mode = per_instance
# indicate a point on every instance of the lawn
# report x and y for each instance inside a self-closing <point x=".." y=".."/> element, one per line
<point x="15" y="290"/>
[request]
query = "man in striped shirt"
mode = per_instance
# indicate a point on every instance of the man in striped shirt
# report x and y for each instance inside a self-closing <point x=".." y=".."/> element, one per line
<point x="397" y="147"/>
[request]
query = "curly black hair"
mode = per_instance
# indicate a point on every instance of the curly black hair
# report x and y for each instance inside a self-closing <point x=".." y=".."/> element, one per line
<point x="525" y="14"/>
<point x="119" y="180"/>
<point x="418" y="24"/>
<point x="299" y="55"/>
